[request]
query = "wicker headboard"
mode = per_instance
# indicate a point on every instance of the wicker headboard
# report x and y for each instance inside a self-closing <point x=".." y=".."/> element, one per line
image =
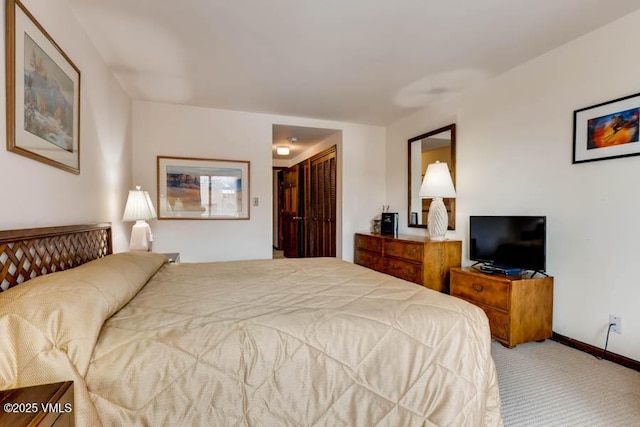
<point x="32" y="252"/>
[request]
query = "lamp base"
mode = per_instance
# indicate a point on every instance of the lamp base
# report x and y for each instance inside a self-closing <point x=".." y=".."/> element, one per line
<point x="141" y="237"/>
<point x="437" y="220"/>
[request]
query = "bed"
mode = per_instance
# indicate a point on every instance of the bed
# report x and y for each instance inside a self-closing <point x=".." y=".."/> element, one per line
<point x="285" y="342"/>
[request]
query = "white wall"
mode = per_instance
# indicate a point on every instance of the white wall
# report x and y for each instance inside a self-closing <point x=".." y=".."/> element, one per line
<point x="35" y="194"/>
<point x="514" y="157"/>
<point x="172" y="130"/>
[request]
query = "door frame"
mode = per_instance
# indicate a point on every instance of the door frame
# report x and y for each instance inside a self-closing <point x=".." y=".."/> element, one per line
<point x="337" y="140"/>
<point x="277" y="195"/>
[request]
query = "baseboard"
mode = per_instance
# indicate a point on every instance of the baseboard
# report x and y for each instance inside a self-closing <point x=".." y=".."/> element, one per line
<point x="595" y="351"/>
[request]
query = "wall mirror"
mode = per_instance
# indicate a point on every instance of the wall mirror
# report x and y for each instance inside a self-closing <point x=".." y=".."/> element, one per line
<point x="439" y="144"/>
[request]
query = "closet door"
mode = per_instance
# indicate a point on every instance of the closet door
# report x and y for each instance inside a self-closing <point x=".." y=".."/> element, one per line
<point x="322" y="209"/>
<point x="305" y="207"/>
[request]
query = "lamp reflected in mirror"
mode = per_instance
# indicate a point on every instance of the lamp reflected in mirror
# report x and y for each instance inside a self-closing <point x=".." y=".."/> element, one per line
<point x="435" y="146"/>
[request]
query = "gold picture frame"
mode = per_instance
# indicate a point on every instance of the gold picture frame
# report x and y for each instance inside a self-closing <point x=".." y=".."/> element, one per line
<point x="43" y="93"/>
<point x="195" y="188"/>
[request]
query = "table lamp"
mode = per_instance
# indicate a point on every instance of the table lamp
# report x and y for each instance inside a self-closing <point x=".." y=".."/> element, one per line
<point x="437" y="184"/>
<point x="139" y="208"/>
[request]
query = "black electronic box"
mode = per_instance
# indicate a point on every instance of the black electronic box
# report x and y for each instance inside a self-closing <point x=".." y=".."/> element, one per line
<point x="389" y="223"/>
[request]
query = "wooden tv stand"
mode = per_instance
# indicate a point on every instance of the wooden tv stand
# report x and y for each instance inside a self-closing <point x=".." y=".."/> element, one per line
<point x="519" y="309"/>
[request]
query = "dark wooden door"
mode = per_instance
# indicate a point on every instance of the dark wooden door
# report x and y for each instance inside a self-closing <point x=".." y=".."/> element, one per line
<point x="322" y="205"/>
<point x="280" y="196"/>
<point x="305" y="207"/>
<point x="290" y="213"/>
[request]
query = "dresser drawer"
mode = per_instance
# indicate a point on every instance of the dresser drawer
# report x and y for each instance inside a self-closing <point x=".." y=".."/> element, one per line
<point x="484" y="290"/>
<point x="368" y="242"/>
<point x="405" y="270"/>
<point x="369" y="259"/>
<point x="405" y="250"/>
<point x="498" y="323"/>
<point x="413" y="258"/>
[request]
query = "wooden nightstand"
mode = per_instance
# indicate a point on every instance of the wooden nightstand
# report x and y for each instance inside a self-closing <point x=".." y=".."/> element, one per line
<point x="43" y="405"/>
<point x="519" y="309"/>
<point x="173" y="256"/>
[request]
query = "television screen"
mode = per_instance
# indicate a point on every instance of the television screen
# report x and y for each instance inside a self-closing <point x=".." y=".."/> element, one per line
<point x="509" y="241"/>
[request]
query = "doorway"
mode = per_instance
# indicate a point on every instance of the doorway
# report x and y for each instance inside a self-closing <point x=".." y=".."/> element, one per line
<point x="306" y="198"/>
<point x="307" y="192"/>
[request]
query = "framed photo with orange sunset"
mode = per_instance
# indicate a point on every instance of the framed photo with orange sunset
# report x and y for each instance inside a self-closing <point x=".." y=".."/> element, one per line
<point x="195" y="188"/>
<point x="607" y="131"/>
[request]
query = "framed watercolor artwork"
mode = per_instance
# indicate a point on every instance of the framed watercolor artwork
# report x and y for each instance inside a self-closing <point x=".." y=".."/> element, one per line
<point x="43" y="93"/>
<point x="194" y="188"/>
<point x="607" y="131"/>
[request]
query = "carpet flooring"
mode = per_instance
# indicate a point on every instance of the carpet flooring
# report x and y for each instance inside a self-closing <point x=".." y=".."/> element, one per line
<point x="550" y="384"/>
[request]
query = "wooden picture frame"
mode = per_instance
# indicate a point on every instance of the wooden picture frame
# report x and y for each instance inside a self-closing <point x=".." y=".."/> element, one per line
<point x="202" y="189"/>
<point x="43" y="93"/>
<point x="607" y="131"/>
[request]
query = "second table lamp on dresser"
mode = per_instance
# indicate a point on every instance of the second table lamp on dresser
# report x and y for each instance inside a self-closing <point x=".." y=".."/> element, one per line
<point x="437" y="185"/>
<point x="139" y="208"/>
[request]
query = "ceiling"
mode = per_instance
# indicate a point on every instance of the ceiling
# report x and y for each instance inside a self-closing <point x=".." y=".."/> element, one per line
<point x="305" y="138"/>
<point x="362" y="61"/>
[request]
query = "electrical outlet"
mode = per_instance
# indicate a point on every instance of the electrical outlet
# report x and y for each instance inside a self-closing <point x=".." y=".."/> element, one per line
<point x="617" y="324"/>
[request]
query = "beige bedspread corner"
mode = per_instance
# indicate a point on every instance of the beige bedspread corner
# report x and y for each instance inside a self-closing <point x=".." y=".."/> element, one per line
<point x="493" y="415"/>
<point x="292" y="342"/>
<point x="49" y="325"/>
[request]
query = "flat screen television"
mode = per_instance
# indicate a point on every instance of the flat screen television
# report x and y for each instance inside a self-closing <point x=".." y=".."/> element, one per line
<point x="509" y="241"/>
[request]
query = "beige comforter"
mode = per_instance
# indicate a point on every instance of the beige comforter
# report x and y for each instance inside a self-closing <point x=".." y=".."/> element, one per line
<point x="292" y="342"/>
<point x="261" y="343"/>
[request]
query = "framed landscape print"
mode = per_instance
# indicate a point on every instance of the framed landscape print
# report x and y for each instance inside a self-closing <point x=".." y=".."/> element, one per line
<point x="194" y="188"/>
<point x="607" y="131"/>
<point x="43" y="93"/>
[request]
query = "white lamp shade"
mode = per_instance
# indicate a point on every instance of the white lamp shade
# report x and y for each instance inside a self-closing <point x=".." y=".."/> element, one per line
<point x="437" y="182"/>
<point x="283" y="151"/>
<point x="139" y="206"/>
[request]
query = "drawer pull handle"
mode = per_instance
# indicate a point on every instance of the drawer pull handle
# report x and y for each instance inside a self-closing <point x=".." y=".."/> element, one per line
<point x="477" y="288"/>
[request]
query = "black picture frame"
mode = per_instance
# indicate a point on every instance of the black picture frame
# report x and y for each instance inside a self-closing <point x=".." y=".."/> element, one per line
<point x="608" y="130"/>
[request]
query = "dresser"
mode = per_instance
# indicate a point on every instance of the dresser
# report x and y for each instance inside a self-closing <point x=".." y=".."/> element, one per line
<point x="42" y="405"/>
<point x="413" y="258"/>
<point x="519" y="309"/>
